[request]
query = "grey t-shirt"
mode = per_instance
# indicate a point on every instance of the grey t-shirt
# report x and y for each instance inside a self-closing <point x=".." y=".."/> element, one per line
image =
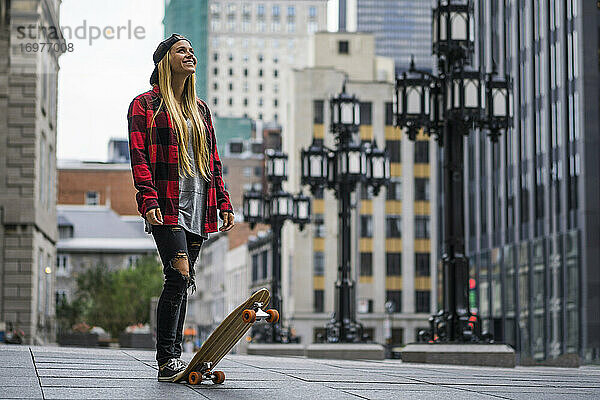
<point x="192" y="198"/>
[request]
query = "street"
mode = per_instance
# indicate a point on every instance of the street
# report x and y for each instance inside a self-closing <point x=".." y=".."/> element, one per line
<point x="28" y="372"/>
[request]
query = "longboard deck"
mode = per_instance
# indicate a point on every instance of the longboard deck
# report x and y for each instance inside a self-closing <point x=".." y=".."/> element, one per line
<point x="226" y="335"/>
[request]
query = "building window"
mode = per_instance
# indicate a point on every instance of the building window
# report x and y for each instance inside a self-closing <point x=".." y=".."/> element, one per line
<point x="230" y="71"/>
<point x="389" y="114"/>
<point x="275" y="73"/>
<point x="318" y="111"/>
<point x="236" y="147"/>
<point x="92" y="198"/>
<point x="225" y="169"/>
<point x="215" y="86"/>
<point x="366" y="226"/>
<point x="245" y="101"/>
<point x="365" y="113"/>
<point x="215" y="101"/>
<point x="216" y="56"/>
<point x="230" y="86"/>
<point x="230" y="57"/>
<point x="245" y="71"/>
<point x="260" y="72"/>
<point x="62" y="262"/>
<point x="393" y="226"/>
<point x="422" y="189"/>
<point x="319" y="301"/>
<point x="247" y="171"/>
<point x="260" y="87"/>
<point x="364" y="306"/>
<point x="319" y="263"/>
<point x="312" y="12"/>
<point x="422" y="227"/>
<point x="254" y="267"/>
<point x="422" y="301"/>
<point x="366" y="264"/>
<point x="422" y="261"/>
<point x="265" y="261"/>
<point x="215" y="71"/>
<point x="257" y="171"/>
<point x="275" y="102"/>
<point x="343" y="47"/>
<point x="319" y="225"/>
<point x="394" y="190"/>
<point x="393" y="263"/>
<point x="394" y="150"/>
<point x="421" y="152"/>
<point x="230" y="101"/>
<point x="275" y="11"/>
<point x="260" y="58"/>
<point x="131" y="260"/>
<point x="394" y="296"/>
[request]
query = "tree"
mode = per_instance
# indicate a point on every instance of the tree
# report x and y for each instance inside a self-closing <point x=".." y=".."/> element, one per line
<point x="114" y="299"/>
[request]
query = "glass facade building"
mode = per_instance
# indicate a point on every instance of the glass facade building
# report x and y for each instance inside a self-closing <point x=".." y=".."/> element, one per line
<point x="402" y="28"/>
<point x="532" y="199"/>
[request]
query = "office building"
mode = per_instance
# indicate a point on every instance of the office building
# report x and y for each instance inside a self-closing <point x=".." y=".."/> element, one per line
<point x="532" y="209"/>
<point x="391" y="247"/>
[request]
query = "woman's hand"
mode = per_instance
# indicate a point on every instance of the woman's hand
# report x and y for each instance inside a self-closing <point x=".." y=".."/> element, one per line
<point x="154" y="216"/>
<point x="227" y="221"/>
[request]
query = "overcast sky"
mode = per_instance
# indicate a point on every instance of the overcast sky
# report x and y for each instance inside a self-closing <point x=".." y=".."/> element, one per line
<point x="98" y="80"/>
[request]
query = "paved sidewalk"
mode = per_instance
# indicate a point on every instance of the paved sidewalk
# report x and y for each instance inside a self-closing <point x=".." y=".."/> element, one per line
<point x="80" y="373"/>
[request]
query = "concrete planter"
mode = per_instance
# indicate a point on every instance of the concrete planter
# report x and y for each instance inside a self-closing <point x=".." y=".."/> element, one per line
<point x="78" y="339"/>
<point x="137" y="340"/>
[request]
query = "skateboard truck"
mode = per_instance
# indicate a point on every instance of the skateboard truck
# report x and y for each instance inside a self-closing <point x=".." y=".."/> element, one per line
<point x="256" y="313"/>
<point x="204" y="372"/>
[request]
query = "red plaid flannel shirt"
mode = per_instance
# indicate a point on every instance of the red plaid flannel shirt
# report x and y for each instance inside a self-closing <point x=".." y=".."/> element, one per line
<point x="155" y="176"/>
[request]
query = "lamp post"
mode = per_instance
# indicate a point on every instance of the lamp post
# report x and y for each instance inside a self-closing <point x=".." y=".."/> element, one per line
<point x="448" y="106"/>
<point x="274" y="207"/>
<point x="341" y="169"/>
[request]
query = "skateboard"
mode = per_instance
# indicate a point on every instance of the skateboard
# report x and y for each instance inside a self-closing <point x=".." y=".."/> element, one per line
<point x="225" y="336"/>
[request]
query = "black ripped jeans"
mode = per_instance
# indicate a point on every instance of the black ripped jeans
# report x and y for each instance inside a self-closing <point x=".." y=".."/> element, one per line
<point x="173" y="242"/>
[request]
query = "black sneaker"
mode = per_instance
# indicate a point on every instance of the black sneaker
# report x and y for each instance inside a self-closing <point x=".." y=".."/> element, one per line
<point x="171" y="370"/>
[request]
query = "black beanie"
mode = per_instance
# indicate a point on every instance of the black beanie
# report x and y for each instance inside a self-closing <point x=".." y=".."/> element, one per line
<point x="160" y="52"/>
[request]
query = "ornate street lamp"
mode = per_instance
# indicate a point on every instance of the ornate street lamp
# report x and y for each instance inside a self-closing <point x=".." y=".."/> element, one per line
<point x="460" y="99"/>
<point x="252" y="203"/>
<point x="411" y="104"/>
<point x="341" y="169"/>
<point x="378" y="167"/>
<point x="314" y="164"/>
<point x="453" y="29"/>
<point x="274" y="208"/>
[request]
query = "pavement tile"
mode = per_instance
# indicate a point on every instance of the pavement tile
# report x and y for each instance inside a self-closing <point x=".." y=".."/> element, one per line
<point x="21" y="392"/>
<point x="67" y="373"/>
<point x="97" y="382"/>
<point x="419" y="395"/>
<point x="148" y="392"/>
<point x="18" y="380"/>
<point x="76" y="373"/>
<point x="17" y="371"/>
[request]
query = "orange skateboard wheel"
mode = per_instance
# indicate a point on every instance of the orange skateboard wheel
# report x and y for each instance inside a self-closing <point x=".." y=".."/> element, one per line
<point x="273" y="316"/>
<point x="219" y="377"/>
<point x="194" y="378"/>
<point x="249" y="316"/>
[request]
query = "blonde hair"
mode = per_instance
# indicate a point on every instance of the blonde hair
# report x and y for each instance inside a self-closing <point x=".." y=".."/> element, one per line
<point x="189" y="109"/>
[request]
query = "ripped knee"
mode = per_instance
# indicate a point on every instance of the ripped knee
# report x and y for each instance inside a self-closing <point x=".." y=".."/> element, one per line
<point x="180" y="263"/>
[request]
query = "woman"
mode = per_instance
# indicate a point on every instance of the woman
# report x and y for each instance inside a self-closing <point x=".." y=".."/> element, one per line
<point x="177" y="172"/>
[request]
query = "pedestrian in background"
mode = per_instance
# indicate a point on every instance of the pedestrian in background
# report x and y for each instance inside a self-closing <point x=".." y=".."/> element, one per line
<point x="178" y="175"/>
